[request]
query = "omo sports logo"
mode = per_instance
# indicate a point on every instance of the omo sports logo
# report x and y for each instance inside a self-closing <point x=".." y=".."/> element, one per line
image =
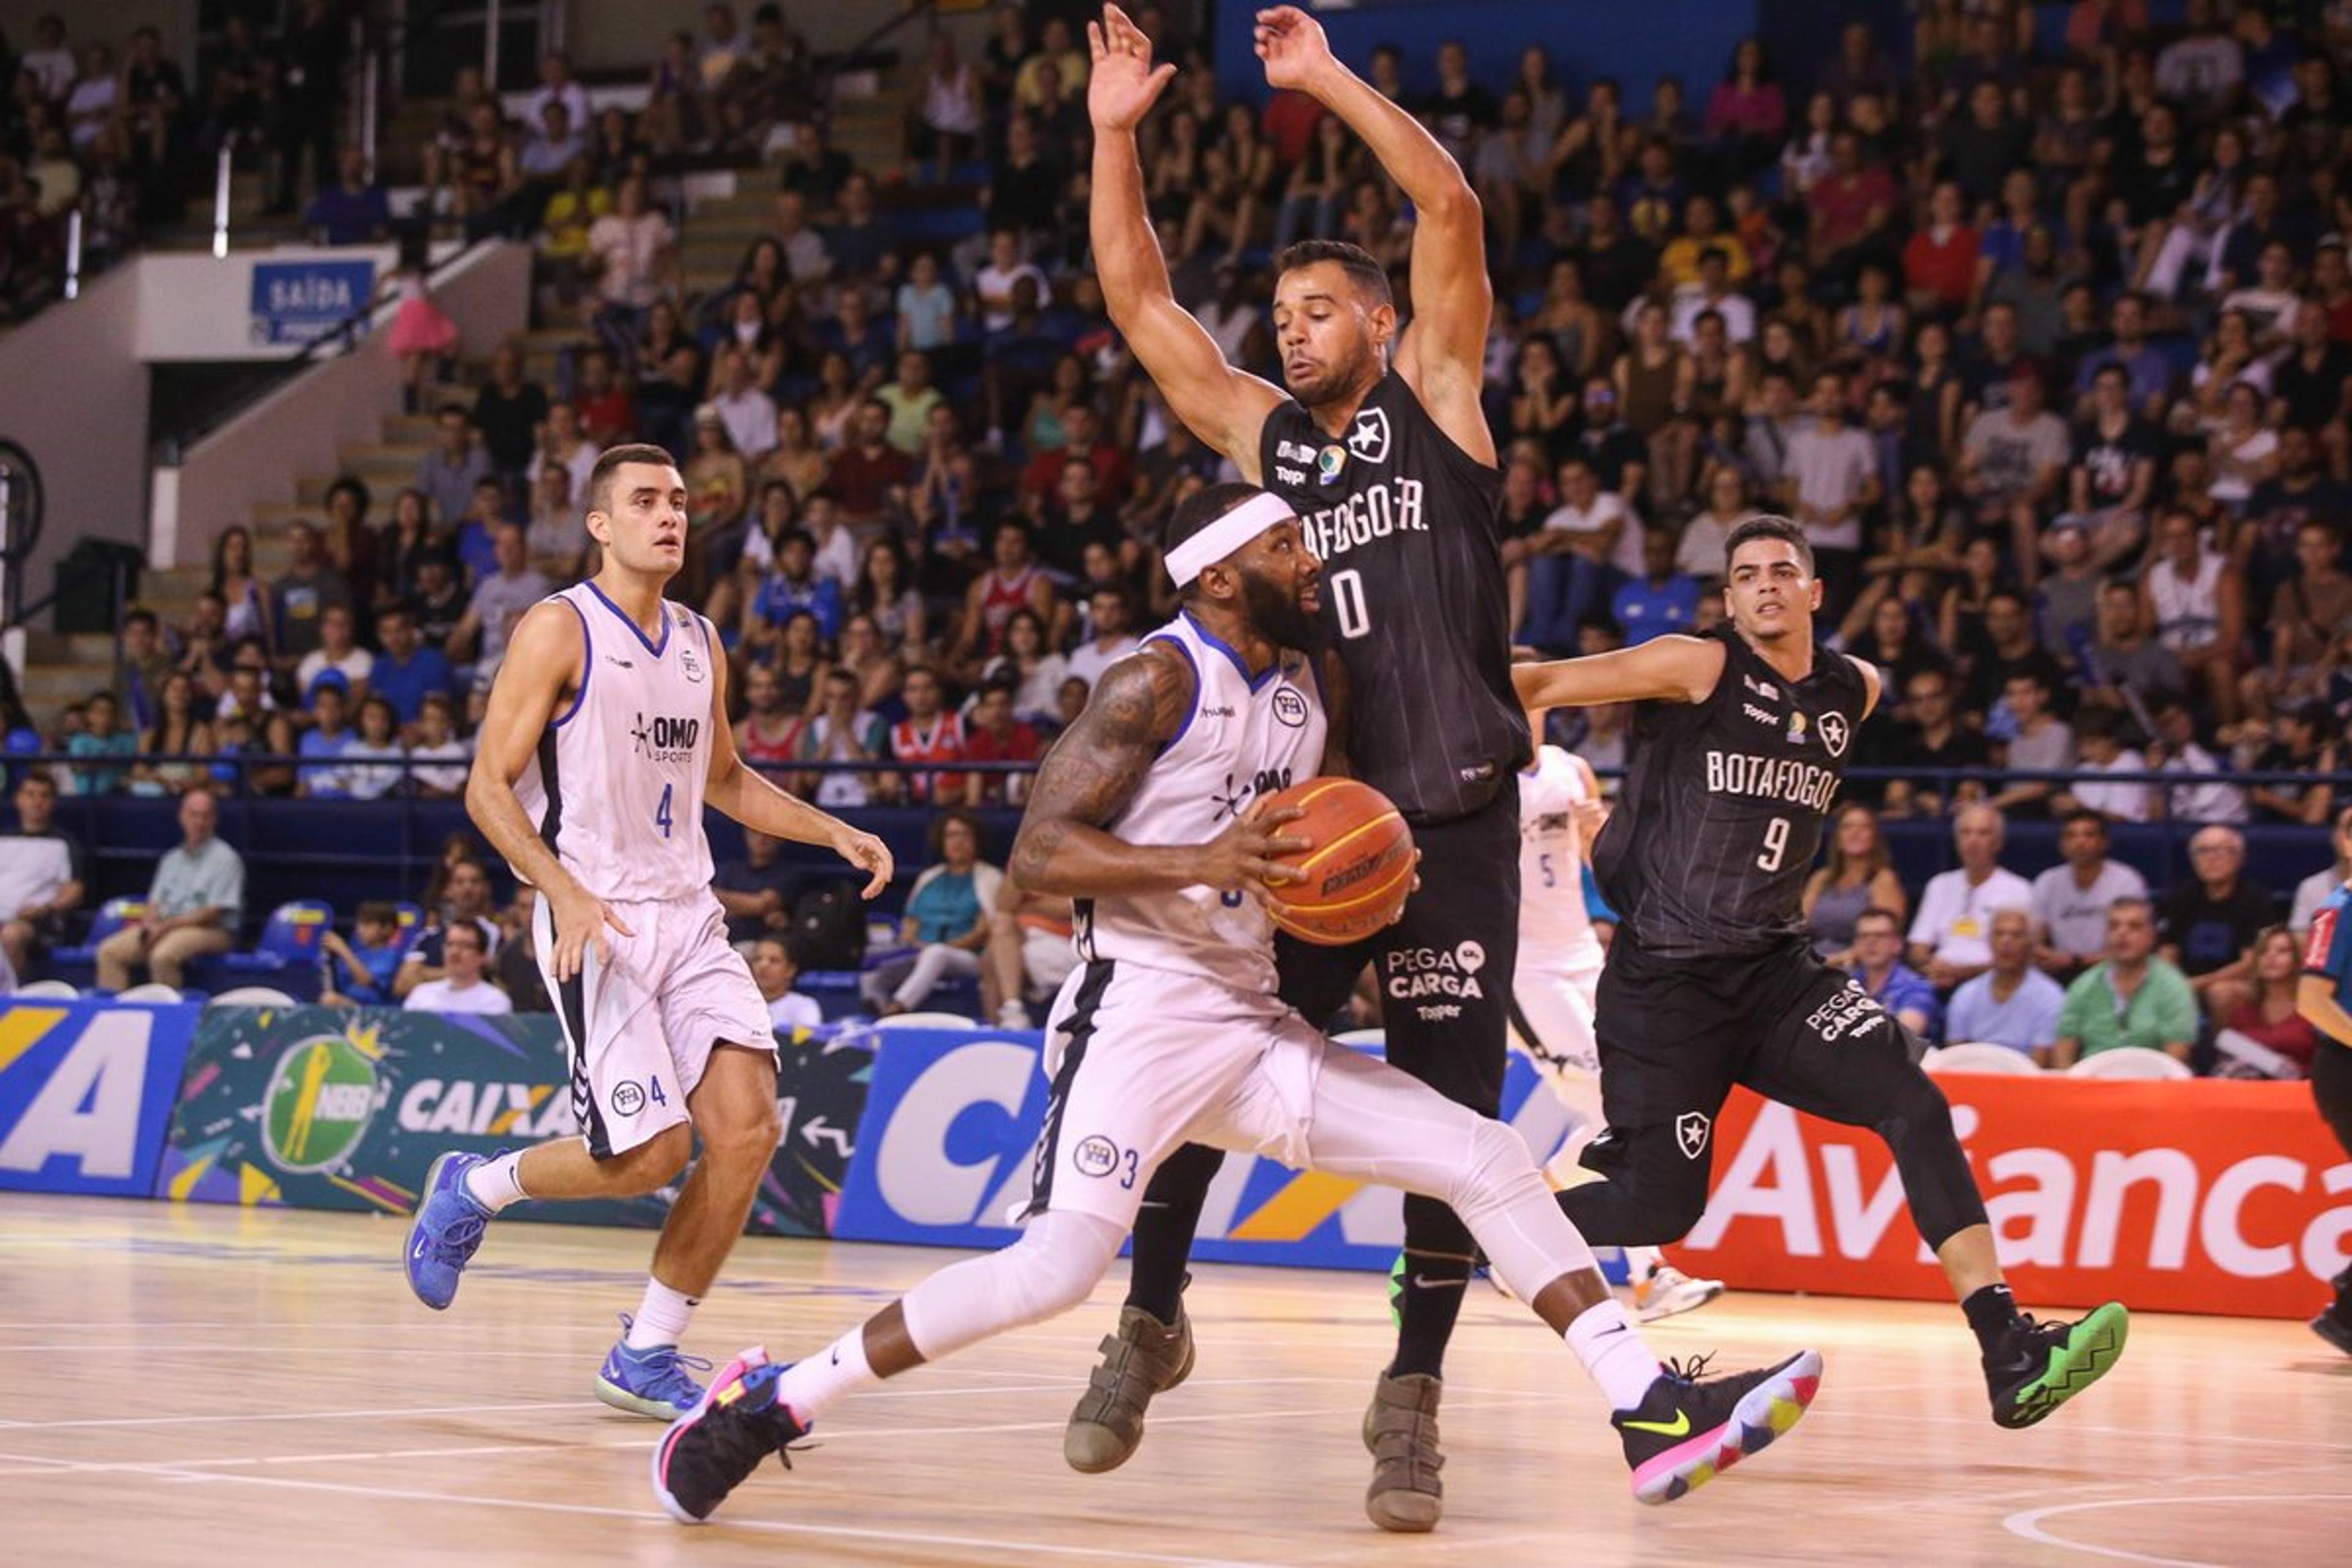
<point x="663" y="739"/>
<point x="320" y="1098"/>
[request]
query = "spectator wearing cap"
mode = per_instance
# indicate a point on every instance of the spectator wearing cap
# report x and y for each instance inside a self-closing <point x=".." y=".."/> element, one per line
<point x="322" y="774"/>
<point x="194" y="904"/>
<point x="994" y="735"/>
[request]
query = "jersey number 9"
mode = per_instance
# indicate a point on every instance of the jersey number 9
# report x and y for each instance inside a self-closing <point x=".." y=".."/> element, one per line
<point x="1776" y="844"/>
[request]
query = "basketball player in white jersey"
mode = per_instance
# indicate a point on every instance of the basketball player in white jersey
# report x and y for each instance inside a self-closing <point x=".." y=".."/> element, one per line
<point x="1148" y="813"/>
<point x="1561" y="812"/>
<point x="605" y="737"/>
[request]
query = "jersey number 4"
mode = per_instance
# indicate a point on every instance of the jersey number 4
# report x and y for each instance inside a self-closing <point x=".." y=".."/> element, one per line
<point x="661" y="812"/>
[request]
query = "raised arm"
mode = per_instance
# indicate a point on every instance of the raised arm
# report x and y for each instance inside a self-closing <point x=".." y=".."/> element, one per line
<point x="1094" y="769"/>
<point x="1443" y="351"/>
<point x="1221" y="405"/>
<point x="1664" y="669"/>
<point x="752" y="799"/>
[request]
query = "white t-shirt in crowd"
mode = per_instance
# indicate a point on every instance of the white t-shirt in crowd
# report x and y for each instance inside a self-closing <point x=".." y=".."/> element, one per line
<point x="2128" y="802"/>
<point x="356" y="667"/>
<point x="1606" y="508"/>
<point x="2073" y="918"/>
<point x="1089" y="659"/>
<point x="1955" y="919"/>
<point x="481" y="998"/>
<point x="794" y="1011"/>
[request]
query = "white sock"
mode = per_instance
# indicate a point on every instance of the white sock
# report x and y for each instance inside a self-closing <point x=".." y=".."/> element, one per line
<point x="809" y="1385"/>
<point x="1613" y="1355"/>
<point x="495" y="1184"/>
<point x="661" y="1317"/>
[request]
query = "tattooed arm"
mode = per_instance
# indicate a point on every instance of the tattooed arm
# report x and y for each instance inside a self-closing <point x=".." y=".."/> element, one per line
<point x="1094" y="769"/>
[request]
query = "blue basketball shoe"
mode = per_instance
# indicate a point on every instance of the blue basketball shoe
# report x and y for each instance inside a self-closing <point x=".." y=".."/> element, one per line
<point x="710" y="1449"/>
<point x="649" y="1382"/>
<point x="446" y="1231"/>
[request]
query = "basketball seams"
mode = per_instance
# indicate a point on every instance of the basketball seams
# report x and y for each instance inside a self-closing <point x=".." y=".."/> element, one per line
<point x="1316" y="855"/>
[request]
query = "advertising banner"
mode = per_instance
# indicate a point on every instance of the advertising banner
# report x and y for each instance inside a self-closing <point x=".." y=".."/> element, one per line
<point x="296" y="301"/>
<point x="85" y="1088"/>
<point x="2205" y="1196"/>
<point x="329" y="1107"/>
<point x="951" y="1125"/>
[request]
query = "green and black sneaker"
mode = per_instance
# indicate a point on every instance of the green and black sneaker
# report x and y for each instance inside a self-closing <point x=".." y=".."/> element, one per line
<point x="2040" y="1366"/>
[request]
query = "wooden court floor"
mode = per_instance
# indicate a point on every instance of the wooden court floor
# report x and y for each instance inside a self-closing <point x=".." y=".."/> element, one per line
<point x="208" y="1385"/>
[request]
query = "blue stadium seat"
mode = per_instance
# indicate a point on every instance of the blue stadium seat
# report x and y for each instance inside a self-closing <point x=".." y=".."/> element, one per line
<point x="286" y="955"/>
<point x="78" y="965"/>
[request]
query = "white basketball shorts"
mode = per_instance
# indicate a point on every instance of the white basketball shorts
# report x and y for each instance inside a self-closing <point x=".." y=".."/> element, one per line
<point x="641" y="1027"/>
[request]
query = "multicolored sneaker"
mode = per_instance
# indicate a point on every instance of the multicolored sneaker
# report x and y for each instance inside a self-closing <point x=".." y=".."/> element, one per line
<point x="709" y="1451"/>
<point x="1666" y="1291"/>
<point x="446" y="1231"/>
<point x="649" y="1382"/>
<point x="1686" y="1431"/>
<point x="2040" y="1366"/>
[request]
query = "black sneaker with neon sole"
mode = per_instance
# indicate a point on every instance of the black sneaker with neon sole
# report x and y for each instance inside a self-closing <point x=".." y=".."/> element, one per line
<point x="707" y="1452"/>
<point x="1689" y="1430"/>
<point x="2040" y="1366"/>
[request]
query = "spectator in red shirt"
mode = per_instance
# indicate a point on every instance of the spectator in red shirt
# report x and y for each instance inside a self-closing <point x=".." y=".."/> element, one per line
<point x="930" y="732"/>
<point x="1851" y="206"/>
<point x="1115" y="477"/>
<point x="607" y="416"/>
<point x="1289" y="123"/>
<point x="1940" y="265"/>
<point x="994" y="735"/>
<point x="868" y="469"/>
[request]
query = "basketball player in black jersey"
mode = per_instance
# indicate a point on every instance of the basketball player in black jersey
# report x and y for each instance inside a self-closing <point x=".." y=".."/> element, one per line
<point x="1381" y="447"/>
<point x="1739" y="743"/>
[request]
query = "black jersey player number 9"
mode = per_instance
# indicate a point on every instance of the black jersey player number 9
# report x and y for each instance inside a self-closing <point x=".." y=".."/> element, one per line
<point x="1348" y="600"/>
<point x="1776" y="844"/>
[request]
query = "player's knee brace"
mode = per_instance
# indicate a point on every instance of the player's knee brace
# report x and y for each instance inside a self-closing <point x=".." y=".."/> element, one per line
<point x="1496" y="1172"/>
<point x="1055" y="1263"/>
<point x="1918" y="1127"/>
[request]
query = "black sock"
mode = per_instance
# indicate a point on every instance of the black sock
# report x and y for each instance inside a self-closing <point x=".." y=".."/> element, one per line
<point x="1429" y="1299"/>
<point x="1992" y="1313"/>
<point x="1163" y="1230"/>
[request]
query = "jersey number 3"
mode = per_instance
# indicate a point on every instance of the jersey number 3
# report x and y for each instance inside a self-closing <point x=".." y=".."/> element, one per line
<point x="1776" y="843"/>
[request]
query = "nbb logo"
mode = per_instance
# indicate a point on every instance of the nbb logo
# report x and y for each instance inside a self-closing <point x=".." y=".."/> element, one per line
<point x="2212" y="1197"/>
<point x="322" y="1096"/>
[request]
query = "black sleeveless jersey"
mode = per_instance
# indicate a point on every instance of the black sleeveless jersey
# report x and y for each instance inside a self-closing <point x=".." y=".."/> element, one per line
<point x="1706" y="851"/>
<point x="1407" y="525"/>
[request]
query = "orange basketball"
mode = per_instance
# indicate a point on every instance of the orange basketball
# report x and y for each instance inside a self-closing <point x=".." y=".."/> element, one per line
<point x="1358" y="864"/>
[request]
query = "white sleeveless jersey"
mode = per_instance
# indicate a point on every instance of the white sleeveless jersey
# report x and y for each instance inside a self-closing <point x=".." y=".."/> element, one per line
<point x="617" y="788"/>
<point x="1555" y="927"/>
<point x="1243" y="739"/>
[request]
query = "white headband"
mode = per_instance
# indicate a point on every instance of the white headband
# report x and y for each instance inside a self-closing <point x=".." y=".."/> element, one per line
<point x="1227" y="534"/>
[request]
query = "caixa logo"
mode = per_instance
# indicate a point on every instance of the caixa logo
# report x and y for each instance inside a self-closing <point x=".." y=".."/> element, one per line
<point x="518" y="1111"/>
<point x="944" y="1148"/>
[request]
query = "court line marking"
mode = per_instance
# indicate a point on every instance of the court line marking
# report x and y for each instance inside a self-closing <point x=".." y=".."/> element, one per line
<point x="2027" y="1524"/>
<point x="299" y="1415"/>
<point x="775" y="1527"/>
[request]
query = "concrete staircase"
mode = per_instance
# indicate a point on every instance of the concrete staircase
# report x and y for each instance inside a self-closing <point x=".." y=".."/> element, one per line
<point x="60" y="669"/>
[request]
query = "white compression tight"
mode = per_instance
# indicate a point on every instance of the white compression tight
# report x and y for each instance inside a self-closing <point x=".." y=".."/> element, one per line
<point x="1058" y="1259"/>
<point x="1375" y="1124"/>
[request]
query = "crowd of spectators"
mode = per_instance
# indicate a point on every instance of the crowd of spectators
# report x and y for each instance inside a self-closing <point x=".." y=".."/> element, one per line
<point x="2045" y="339"/>
<point x="110" y="126"/>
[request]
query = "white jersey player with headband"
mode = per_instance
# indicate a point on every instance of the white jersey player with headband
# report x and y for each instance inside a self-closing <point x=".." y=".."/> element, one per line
<point x="1148" y="814"/>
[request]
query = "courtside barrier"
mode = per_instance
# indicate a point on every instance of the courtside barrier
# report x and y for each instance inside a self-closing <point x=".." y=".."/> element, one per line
<point x="328" y="1108"/>
<point x="85" y="1088"/>
<point x="950" y="1131"/>
<point x="2195" y="1197"/>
